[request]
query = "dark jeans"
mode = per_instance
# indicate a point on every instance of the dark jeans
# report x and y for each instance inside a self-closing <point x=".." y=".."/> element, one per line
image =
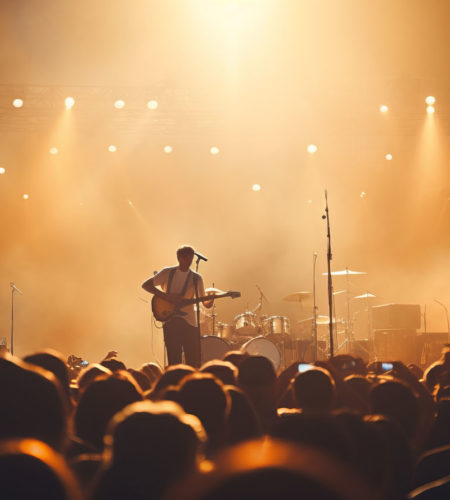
<point x="178" y="336"/>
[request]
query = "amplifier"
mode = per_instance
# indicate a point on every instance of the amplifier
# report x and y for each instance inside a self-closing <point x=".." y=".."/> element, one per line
<point x="396" y="316"/>
<point x="396" y="345"/>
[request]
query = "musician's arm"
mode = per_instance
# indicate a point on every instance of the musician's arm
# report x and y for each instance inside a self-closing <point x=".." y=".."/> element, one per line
<point x="150" y="287"/>
<point x="201" y="291"/>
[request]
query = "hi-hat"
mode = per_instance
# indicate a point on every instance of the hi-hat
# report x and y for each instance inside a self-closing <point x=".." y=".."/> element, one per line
<point x="344" y="272"/>
<point x="297" y="296"/>
<point x="367" y="295"/>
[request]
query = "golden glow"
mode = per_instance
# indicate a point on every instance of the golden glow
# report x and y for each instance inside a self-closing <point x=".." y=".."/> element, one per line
<point x="384" y="108"/>
<point x="25" y="196"/>
<point x="69" y="102"/>
<point x="312" y="148"/>
<point x="168" y="149"/>
<point x="256" y="187"/>
<point x="363" y="194"/>
<point x="430" y="110"/>
<point x="53" y="151"/>
<point x="430" y="100"/>
<point x="17" y="103"/>
<point x="112" y="148"/>
<point x="119" y="104"/>
<point x="388" y="157"/>
<point x="152" y="104"/>
<point x="2" y="170"/>
<point x="214" y="150"/>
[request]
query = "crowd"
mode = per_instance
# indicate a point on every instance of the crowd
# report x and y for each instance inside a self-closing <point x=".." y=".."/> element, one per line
<point x="232" y="429"/>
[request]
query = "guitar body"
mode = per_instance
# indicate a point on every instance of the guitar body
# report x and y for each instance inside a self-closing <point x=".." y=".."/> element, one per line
<point x="163" y="310"/>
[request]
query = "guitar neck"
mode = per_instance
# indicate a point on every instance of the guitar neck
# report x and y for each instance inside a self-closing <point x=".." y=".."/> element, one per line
<point x="206" y="298"/>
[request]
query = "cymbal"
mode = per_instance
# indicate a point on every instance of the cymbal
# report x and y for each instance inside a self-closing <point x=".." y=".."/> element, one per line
<point x="339" y="292"/>
<point x="297" y="296"/>
<point x="344" y="272"/>
<point x="366" y="295"/>
<point x="320" y="320"/>
<point x="213" y="290"/>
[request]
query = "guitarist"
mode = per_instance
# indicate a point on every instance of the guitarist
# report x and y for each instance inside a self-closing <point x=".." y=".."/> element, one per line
<point x="181" y="333"/>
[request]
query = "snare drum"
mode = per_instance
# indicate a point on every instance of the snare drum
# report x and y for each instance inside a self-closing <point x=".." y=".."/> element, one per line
<point x="261" y="346"/>
<point x="245" y="324"/>
<point x="213" y="348"/>
<point x="276" y="325"/>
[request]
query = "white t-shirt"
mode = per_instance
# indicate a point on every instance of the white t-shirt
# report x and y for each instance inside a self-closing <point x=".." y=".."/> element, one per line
<point x="179" y="278"/>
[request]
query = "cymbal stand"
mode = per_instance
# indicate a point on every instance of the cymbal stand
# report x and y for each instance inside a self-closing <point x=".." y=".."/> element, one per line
<point x="330" y="280"/>
<point x="13" y="290"/>
<point x="314" y="321"/>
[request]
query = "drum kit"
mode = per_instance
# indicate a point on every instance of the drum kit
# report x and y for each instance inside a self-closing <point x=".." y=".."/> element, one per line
<point x="273" y="337"/>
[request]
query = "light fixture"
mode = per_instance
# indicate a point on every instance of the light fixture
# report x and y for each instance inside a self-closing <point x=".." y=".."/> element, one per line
<point x="214" y="150"/>
<point x="312" y="148"/>
<point x="112" y="148"/>
<point x="256" y="187"/>
<point x="69" y="102"/>
<point x="17" y="103"/>
<point x="384" y="108"/>
<point x="168" y="149"/>
<point x="430" y="100"/>
<point x="119" y="104"/>
<point x="152" y="104"/>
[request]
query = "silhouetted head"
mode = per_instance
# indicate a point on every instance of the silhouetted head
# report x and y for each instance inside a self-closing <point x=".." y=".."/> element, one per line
<point x="31" y="470"/>
<point x="172" y="376"/>
<point x="32" y="403"/>
<point x="90" y="373"/>
<point x="223" y="370"/>
<point x="314" y="390"/>
<point x="100" y="401"/>
<point x="235" y="357"/>
<point x="243" y="421"/>
<point x="113" y="364"/>
<point x="396" y="400"/>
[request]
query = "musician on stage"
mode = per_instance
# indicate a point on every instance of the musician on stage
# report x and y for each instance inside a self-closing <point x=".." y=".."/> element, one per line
<point x="181" y="333"/>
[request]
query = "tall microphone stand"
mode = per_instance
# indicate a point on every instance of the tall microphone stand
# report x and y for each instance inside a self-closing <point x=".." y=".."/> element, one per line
<point x="13" y="290"/>
<point x="314" y="325"/>
<point x="330" y="282"/>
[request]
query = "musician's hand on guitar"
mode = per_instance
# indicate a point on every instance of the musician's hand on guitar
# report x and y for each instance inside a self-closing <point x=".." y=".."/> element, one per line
<point x="209" y="303"/>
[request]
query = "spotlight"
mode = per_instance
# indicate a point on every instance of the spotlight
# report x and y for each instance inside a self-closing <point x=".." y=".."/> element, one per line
<point x="388" y="156"/>
<point x="430" y="110"/>
<point x="168" y="149"/>
<point x="312" y="148"/>
<point x="152" y="104"/>
<point x="112" y="148"/>
<point x="130" y="203"/>
<point x="53" y="151"/>
<point x="69" y="102"/>
<point x="256" y="187"/>
<point x="430" y="100"/>
<point x="119" y="104"/>
<point x="384" y="108"/>
<point x="2" y="170"/>
<point x="17" y="103"/>
<point x="363" y="194"/>
<point x="25" y="196"/>
<point x="214" y="150"/>
<point x="309" y="202"/>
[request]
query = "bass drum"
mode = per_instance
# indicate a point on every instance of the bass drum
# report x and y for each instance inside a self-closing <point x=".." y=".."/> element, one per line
<point x="261" y="346"/>
<point x="213" y="348"/>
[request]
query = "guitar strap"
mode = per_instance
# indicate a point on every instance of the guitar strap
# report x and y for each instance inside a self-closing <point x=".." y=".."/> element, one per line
<point x="169" y="281"/>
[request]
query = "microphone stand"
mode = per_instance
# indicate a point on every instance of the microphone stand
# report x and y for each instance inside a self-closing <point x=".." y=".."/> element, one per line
<point x="314" y="324"/>
<point x="330" y="282"/>
<point x="446" y="315"/>
<point x="13" y="289"/>
<point x="197" y="262"/>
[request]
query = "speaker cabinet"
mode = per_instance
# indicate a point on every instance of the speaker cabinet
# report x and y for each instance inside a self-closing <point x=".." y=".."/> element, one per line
<point x="396" y="345"/>
<point x="396" y="316"/>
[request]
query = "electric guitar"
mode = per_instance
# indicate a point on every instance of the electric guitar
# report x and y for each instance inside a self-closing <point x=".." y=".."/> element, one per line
<point x="163" y="310"/>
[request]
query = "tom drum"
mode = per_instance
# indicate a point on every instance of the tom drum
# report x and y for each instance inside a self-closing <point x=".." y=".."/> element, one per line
<point x="276" y="325"/>
<point x="245" y="323"/>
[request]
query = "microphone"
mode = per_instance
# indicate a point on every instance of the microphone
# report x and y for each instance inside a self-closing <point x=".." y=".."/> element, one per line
<point x="13" y="286"/>
<point x="200" y="256"/>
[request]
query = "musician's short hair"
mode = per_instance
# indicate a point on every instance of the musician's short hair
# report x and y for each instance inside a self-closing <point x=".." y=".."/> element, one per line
<point x="185" y="250"/>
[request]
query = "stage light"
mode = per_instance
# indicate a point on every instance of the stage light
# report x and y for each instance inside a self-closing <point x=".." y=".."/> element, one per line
<point x="214" y="150"/>
<point x="430" y="110"/>
<point x="152" y="104"/>
<point x="309" y="202"/>
<point x="130" y="203"/>
<point x="168" y="149"/>
<point x="430" y="100"/>
<point x="256" y="187"/>
<point x="388" y="156"/>
<point x="119" y="104"/>
<point x="384" y="108"/>
<point x="112" y="148"/>
<point x="363" y="194"/>
<point x="53" y="151"/>
<point x="2" y="170"/>
<point x="69" y="102"/>
<point x="17" y="103"/>
<point x="25" y="196"/>
<point x="312" y="148"/>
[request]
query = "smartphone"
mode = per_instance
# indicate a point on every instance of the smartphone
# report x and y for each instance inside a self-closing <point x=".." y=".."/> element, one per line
<point x="304" y="367"/>
<point x="349" y="365"/>
<point x="84" y="363"/>
<point x="385" y="367"/>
